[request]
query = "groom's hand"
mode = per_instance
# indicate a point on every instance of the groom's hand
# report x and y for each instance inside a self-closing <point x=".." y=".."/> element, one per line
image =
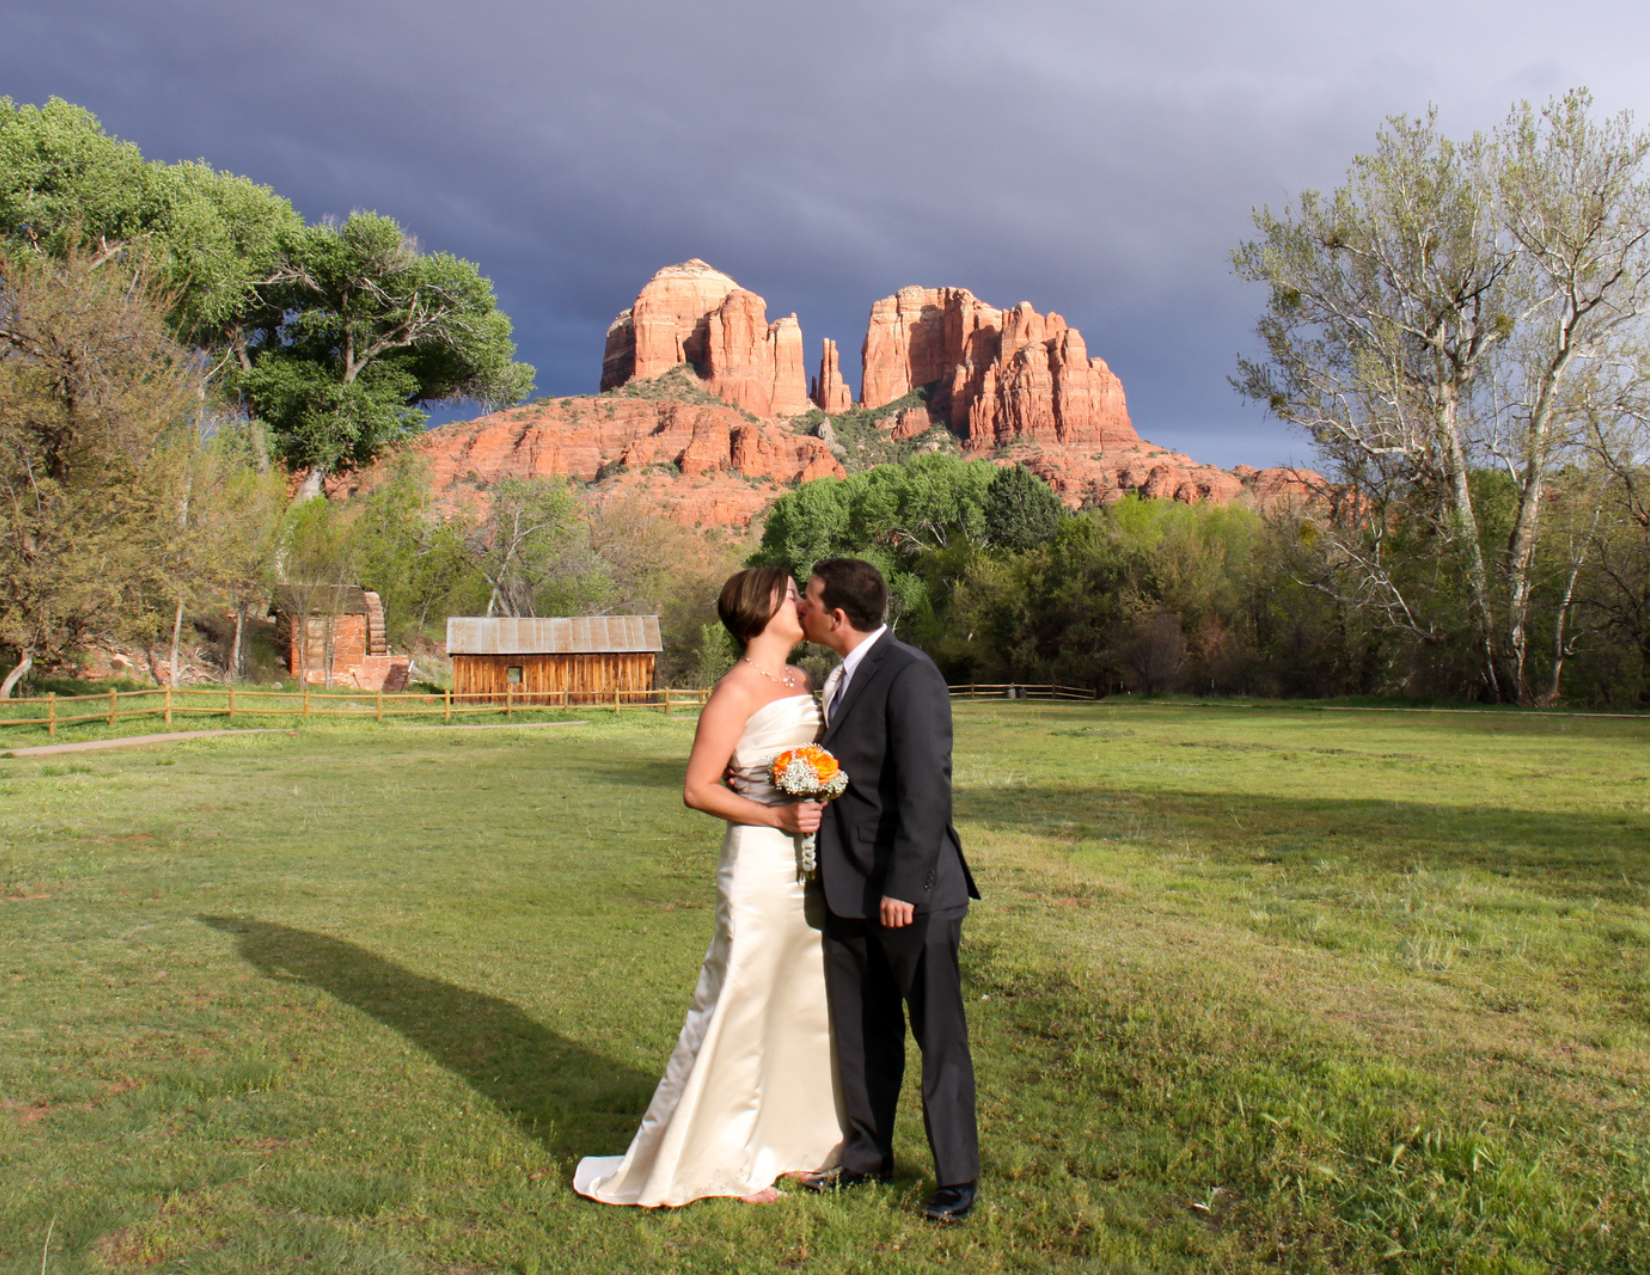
<point x="800" y="818"/>
<point x="897" y="915"/>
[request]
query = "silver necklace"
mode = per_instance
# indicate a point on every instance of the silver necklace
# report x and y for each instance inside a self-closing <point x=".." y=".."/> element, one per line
<point x="788" y="681"/>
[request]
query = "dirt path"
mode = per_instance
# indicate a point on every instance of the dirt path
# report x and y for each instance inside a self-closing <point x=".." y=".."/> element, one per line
<point x="92" y="745"/>
<point x="493" y="726"/>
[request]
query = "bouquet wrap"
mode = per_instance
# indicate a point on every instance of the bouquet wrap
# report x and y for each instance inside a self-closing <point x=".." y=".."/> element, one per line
<point x="809" y="773"/>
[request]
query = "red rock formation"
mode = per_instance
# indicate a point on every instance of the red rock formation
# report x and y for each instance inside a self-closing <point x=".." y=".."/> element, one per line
<point x="1015" y="386"/>
<point x="691" y="313"/>
<point x="730" y="469"/>
<point x="1081" y="478"/>
<point x="828" y="391"/>
<point x="997" y="376"/>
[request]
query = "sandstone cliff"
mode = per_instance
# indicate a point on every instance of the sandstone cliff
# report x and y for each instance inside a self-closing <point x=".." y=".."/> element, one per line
<point x="693" y="314"/>
<point x="703" y="462"/>
<point x="1005" y="385"/>
<point x="997" y="377"/>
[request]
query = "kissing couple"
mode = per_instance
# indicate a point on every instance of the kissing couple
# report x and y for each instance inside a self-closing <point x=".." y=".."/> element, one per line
<point x="793" y="1052"/>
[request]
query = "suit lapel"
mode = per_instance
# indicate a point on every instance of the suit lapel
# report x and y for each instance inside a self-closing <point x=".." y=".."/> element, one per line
<point x="862" y="675"/>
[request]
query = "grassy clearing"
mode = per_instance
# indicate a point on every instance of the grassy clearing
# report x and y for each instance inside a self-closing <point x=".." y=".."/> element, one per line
<point x="1253" y="991"/>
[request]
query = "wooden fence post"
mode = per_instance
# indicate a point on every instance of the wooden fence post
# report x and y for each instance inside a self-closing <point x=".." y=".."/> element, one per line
<point x="380" y="717"/>
<point x="509" y="700"/>
<point x="232" y="701"/>
<point x="615" y="701"/>
<point x="447" y="707"/>
<point x="667" y="701"/>
<point x="167" y="705"/>
<point x="51" y="712"/>
<point x="306" y="699"/>
<point x="114" y="706"/>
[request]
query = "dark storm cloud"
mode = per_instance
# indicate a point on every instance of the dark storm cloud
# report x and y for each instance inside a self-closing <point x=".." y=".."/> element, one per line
<point x="1095" y="159"/>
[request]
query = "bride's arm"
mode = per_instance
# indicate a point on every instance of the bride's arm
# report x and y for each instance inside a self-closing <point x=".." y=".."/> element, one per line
<point x="720" y="725"/>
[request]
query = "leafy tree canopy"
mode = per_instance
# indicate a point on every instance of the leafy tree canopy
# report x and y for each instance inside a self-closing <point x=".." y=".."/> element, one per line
<point x="333" y="334"/>
<point x="1456" y="308"/>
<point x="1021" y="510"/>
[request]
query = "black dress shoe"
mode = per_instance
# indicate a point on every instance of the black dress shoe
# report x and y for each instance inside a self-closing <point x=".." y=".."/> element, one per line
<point x="841" y="1180"/>
<point x="950" y="1203"/>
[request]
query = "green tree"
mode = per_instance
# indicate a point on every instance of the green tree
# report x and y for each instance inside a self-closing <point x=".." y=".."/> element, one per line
<point x="534" y="550"/>
<point x="920" y="522"/>
<point x="336" y="335"/>
<point x="91" y="387"/>
<point x="221" y="512"/>
<point x="209" y="239"/>
<point x="1021" y="510"/>
<point x="418" y="560"/>
<point x="1454" y="309"/>
<point x="320" y="564"/>
<point x="356" y="329"/>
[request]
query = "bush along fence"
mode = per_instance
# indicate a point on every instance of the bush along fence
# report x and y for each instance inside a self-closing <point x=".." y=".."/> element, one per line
<point x="172" y="705"/>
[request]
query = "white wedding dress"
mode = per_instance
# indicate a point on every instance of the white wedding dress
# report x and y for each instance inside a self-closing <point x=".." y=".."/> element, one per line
<point x="751" y="1091"/>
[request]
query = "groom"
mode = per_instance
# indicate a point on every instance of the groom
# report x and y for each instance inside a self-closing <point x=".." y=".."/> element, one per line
<point x="896" y="890"/>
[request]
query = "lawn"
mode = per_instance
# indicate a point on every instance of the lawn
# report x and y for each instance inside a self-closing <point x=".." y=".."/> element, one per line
<point x="1252" y="989"/>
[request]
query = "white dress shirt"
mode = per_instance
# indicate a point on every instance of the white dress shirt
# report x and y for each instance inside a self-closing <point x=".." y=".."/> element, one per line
<point x="836" y="684"/>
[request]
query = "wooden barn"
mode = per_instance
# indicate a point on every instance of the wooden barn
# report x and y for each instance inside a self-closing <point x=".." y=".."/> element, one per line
<point x="574" y="660"/>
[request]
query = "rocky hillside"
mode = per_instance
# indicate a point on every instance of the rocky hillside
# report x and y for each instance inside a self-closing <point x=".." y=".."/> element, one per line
<point x="705" y="408"/>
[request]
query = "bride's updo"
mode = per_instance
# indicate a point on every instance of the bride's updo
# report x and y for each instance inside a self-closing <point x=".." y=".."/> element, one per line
<point x="749" y="600"/>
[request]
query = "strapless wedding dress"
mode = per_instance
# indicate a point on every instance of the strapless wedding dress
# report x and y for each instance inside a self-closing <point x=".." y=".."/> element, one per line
<point x="751" y="1091"/>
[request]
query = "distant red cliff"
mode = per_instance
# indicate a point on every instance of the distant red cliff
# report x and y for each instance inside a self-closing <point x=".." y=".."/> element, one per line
<point x="705" y="408"/>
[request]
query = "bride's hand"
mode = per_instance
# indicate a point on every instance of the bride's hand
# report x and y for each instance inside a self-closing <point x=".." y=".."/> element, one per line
<point x="800" y="818"/>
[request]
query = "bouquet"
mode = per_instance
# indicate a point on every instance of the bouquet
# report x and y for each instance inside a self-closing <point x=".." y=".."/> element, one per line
<point x="811" y="774"/>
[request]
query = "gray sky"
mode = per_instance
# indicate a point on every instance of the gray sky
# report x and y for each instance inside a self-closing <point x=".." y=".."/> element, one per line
<point x="1094" y="158"/>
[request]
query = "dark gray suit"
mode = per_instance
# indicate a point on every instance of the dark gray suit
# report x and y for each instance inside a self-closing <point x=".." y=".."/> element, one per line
<point x="890" y="834"/>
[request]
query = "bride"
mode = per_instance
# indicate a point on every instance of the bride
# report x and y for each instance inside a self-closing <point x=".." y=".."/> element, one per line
<point x="751" y="1091"/>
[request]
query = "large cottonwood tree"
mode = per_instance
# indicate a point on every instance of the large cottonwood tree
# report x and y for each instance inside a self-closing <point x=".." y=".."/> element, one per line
<point x="355" y="329"/>
<point x="336" y="335"/>
<point x="1445" y="326"/>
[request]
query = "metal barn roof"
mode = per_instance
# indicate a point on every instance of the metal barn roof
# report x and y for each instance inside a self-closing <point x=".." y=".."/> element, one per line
<point x="575" y="635"/>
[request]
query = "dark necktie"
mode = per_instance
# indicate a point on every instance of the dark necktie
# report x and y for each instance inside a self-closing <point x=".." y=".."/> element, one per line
<point x="836" y="699"/>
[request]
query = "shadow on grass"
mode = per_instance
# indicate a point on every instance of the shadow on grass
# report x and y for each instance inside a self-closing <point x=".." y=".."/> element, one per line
<point x="1592" y="854"/>
<point x="572" y="1100"/>
<point x="629" y="771"/>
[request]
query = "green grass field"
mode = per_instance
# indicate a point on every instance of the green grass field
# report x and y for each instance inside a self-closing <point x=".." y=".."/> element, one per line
<point x="1268" y="989"/>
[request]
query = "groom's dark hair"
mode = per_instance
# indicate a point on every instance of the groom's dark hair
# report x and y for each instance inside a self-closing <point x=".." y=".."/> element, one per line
<point x="854" y="587"/>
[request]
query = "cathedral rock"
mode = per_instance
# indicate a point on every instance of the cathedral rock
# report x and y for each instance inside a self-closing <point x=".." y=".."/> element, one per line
<point x="997" y="376"/>
<point x="691" y="313"/>
<point x="1007" y="385"/>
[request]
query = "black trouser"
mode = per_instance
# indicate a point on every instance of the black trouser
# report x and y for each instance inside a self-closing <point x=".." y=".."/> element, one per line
<point x="871" y="973"/>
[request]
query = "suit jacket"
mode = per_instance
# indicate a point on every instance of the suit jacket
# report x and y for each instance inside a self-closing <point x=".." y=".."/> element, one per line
<point x="890" y="833"/>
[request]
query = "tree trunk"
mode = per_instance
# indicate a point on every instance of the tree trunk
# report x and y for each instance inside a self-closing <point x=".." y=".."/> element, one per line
<point x="326" y="652"/>
<point x="1483" y="615"/>
<point x="1562" y="619"/>
<point x="24" y="663"/>
<point x="177" y="630"/>
<point x="237" y="665"/>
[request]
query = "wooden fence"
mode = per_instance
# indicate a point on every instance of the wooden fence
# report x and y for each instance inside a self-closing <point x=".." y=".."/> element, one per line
<point x="1018" y="690"/>
<point x="113" y="707"/>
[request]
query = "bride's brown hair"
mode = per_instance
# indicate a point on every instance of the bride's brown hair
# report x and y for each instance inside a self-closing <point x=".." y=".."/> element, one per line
<point x="749" y="600"/>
